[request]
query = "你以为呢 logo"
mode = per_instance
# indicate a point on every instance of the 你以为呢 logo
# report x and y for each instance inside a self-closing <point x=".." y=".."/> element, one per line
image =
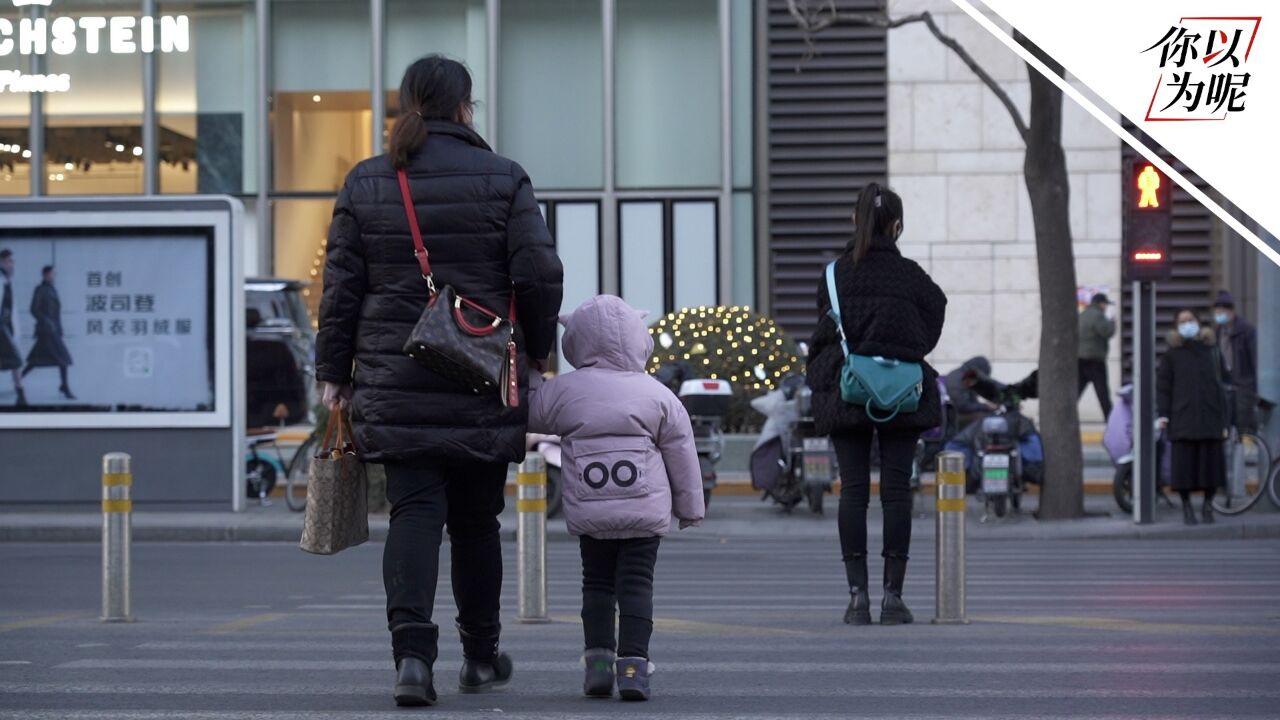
<point x="1204" y="68"/>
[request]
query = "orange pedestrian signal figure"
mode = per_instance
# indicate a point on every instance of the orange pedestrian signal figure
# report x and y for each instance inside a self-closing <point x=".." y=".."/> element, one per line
<point x="1149" y="183"/>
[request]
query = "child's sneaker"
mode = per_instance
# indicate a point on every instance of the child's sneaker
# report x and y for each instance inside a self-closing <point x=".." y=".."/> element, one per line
<point x="599" y="678"/>
<point x="633" y="678"/>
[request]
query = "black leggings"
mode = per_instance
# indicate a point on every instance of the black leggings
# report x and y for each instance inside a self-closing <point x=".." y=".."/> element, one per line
<point x="618" y="573"/>
<point x="62" y="372"/>
<point x="897" y="452"/>
<point x="426" y="495"/>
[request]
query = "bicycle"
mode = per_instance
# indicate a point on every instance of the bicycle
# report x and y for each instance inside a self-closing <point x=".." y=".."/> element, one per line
<point x="1249" y="473"/>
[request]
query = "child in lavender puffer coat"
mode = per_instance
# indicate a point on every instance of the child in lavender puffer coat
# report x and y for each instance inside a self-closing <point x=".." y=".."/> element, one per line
<point x="629" y="461"/>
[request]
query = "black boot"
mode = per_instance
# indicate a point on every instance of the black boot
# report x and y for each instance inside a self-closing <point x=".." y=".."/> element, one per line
<point x="22" y="398"/>
<point x="1188" y="513"/>
<point x="66" y="392"/>
<point x="483" y="667"/>
<point x="859" y="612"/>
<point x="1206" y="513"/>
<point x="414" y="647"/>
<point x="892" y="610"/>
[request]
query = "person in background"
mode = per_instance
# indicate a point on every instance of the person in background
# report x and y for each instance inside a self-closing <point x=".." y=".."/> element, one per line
<point x="889" y="307"/>
<point x="629" y="463"/>
<point x="1192" y="406"/>
<point x="969" y="404"/>
<point x="1096" y="329"/>
<point x="49" y="350"/>
<point x="446" y="449"/>
<point x="1238" y="346"/>
<point x="10" y="358"/>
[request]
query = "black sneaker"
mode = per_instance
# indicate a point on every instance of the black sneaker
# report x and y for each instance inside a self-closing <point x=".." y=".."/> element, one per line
<point x="598" y="682"/>
<point x="633" y="678"/>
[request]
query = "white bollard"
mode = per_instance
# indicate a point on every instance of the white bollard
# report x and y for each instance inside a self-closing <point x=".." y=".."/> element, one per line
<point x="950" y="586"/>
<point x="117" y="536"/>
<point x="531" y="540"/>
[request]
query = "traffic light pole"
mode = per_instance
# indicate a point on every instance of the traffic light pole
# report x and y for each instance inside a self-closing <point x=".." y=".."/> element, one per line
<point x="1144" y="403"/>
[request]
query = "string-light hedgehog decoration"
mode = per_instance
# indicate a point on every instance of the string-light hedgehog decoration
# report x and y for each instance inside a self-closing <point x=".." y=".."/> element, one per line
<point x="726" y="343"/>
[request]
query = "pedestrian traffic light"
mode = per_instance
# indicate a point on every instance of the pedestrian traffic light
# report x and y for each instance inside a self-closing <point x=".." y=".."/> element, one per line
<point x="1148" y="222"/>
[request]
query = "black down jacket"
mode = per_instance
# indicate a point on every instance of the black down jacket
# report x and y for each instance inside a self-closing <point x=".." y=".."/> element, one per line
<point x="486" y="237"/>
<point x="1190" y="390"/>
<point x="890" y="308"/>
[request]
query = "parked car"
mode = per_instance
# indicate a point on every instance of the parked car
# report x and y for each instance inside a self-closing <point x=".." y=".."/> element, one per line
<point x="280" y="384"/>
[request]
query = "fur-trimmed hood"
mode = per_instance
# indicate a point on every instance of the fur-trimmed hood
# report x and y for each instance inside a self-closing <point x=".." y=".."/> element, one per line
<point x="1206" y="336"/>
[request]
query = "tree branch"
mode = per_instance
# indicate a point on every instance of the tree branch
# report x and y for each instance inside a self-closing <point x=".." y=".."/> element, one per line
<point x="813" y="20"/>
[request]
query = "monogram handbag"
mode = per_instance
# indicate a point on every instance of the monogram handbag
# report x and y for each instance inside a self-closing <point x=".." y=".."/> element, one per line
<point x="875" y="383"/>
<point x="457" y="338"/>
<point x="337" y="514"/>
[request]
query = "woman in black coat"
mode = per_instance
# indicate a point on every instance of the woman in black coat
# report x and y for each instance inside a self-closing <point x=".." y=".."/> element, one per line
<point x="891" y="308"/>
<point x="446" y="449"/>
<point x="49" y="350"/>
<point x="1191" y="401"/>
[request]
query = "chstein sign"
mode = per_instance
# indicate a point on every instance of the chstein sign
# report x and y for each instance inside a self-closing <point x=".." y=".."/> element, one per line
<point x="92" y="34"/>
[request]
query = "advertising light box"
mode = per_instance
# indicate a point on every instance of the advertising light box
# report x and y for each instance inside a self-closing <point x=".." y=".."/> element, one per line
<point x="114" y="325"/>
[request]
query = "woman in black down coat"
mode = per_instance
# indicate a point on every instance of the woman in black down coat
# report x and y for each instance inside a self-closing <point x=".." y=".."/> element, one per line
<point x="446" y="450"/>
<point x="49" y="350"/>
<point x="1192" y="403"/>
<point x="891" y="308"/>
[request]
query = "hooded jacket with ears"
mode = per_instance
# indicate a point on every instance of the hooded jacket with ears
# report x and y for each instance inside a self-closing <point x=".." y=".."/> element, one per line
<point x="1189" y="389"/>
<point x="628" y="449"/>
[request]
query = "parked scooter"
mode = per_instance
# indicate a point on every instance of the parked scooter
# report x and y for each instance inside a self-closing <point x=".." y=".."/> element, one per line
<point x="1118" y="440"/>
<point x="707" y="400"/>
<point x="791" y="462"/>
<point x="1003" y="451"/>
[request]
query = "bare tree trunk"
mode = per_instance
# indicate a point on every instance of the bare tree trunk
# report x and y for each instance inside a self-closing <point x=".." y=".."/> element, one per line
<point x="1045" y="168"/>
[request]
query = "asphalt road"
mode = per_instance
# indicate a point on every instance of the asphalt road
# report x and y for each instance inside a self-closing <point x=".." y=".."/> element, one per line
<point x="749" y="629"/>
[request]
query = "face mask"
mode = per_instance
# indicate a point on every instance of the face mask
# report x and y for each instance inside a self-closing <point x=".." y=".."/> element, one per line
<point x="1189" y="330"/>
<point x="1221" y="318"/>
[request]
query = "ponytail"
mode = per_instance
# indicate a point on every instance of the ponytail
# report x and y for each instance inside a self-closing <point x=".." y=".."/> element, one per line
<point x="433" y="88"/>
<point x="877" y="209"/>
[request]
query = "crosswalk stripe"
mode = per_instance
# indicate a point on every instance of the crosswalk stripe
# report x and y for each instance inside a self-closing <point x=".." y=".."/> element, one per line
<point x="1013" y="668"/>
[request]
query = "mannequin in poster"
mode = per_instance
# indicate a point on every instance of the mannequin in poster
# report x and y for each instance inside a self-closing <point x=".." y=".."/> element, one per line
<point x="49" y="350"/>
<point x="10" y="358"/>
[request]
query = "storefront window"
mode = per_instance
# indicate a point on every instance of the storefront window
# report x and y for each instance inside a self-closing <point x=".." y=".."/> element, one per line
<point x="321" y="119"/>
<point x="551" y="94"/>
<point x="453" y="28"/>
<point x="301" y="231"/>
<point x="93" y="131"/>
<point x="668" y="94"/>
<point x="205" y="99"/>
<point x="15" y="108"/>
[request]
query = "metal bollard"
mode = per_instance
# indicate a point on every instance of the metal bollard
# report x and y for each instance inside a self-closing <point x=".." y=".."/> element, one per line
<point x="949" y="605"/>
<point x="531" y="540"/>
<point x="117" y="536"/>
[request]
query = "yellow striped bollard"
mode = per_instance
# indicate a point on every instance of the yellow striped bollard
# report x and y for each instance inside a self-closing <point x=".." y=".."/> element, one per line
<point x="531" y="540"/>
<point x="117" y="536"/>
<point x="949" y="605"/>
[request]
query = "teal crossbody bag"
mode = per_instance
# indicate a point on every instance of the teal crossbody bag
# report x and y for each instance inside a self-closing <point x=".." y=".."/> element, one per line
<point x="876" y="384"/>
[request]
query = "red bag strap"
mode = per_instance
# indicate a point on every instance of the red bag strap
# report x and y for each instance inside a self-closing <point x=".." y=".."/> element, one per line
<point x="419" y="250"/>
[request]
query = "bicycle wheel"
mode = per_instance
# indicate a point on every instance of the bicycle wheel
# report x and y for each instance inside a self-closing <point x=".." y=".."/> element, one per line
<point x="295" y="489"/>
<point x="1248" y="467"/>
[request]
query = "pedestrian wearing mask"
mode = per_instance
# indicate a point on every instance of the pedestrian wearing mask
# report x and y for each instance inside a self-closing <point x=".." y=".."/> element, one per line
<point x="1192" y="406"/>
<point x="891" y="308"/>
<point x="1096" y="329"/>
<point x="1238" y="345"/>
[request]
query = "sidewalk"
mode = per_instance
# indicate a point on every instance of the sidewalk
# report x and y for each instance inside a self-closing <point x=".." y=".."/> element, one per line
<point x="731" y="517"/>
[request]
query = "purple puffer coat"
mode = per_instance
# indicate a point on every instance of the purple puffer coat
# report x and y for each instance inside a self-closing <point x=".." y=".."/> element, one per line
<point x="629" y="457"/>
